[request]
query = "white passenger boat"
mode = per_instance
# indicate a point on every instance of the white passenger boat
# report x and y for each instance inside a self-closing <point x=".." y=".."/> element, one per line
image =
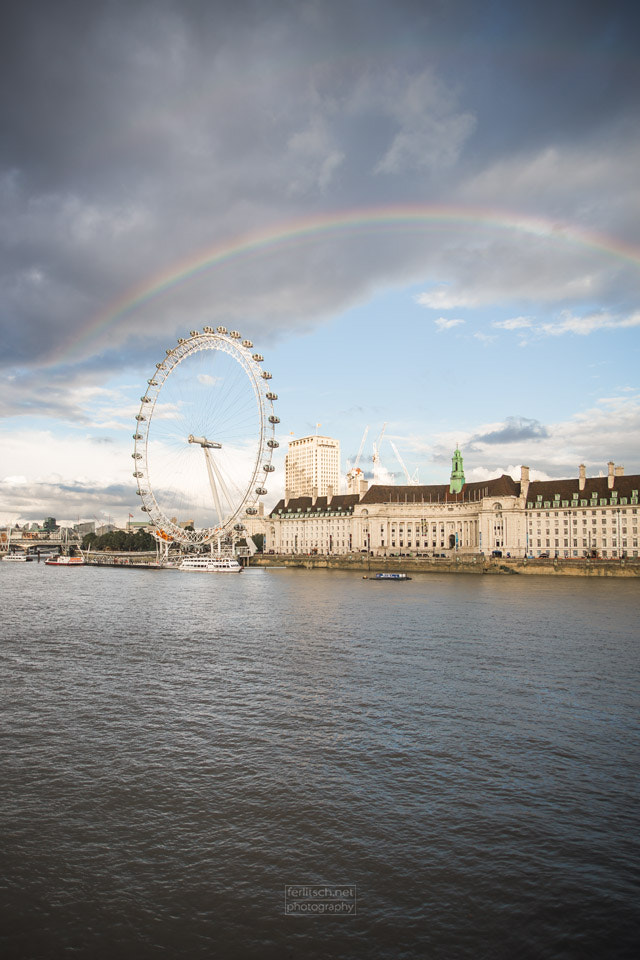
<point x="211" y="564"/>
<point x="16" y="558"/>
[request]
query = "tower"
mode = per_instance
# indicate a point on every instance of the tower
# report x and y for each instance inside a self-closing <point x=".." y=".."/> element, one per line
<point x="312" y="464"/>
<point x="457" y="472"/>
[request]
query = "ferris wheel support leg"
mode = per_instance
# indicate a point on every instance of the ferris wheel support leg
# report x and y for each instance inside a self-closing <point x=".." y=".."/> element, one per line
<point x="212" y="484"/>
<point x="222" y="486"/>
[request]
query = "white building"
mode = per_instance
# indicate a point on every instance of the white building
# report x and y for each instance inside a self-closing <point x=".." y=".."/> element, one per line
<point x="596" y="517"/>
<point x="312" y="467"/>
<point x="585" y="517"/>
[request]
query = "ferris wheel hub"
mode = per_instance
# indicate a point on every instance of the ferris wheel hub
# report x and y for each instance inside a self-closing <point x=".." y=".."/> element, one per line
<point x="210" y="444"/>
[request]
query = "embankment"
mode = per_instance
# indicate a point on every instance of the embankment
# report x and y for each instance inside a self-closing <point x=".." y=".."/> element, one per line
<point x="477" y="565"/>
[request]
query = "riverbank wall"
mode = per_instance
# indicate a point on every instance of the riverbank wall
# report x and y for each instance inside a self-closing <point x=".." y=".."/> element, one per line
<point x="475" y="565"/>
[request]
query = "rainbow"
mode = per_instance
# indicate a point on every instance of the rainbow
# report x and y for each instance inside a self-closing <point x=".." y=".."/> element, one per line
<point x="343" y="223"/>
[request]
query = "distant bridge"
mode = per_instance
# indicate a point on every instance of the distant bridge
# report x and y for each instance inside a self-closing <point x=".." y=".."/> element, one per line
<point x="33" y="544"/>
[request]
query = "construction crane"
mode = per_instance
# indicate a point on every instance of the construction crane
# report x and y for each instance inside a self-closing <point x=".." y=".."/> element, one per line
<point x="354" y="469"/>
<point x="360" y="448"/>
<point x="376" y="454"/>
<point x="412" y="481"/>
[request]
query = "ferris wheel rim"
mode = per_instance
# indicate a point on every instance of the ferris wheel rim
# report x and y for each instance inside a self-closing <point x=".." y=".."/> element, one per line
<point x="232" y="344"/>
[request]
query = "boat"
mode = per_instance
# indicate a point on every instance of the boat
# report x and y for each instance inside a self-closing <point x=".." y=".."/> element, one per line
<point x="388" y="576"/>
<point x="61" y="561"/>
<point x="16" y="558"/>
<point x="210" y="564"/>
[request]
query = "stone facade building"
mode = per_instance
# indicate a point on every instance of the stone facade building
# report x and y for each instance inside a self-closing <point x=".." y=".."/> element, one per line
<point x="557" y="518"/>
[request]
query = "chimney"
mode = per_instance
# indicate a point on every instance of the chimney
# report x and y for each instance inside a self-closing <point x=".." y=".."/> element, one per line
<point x="524" y="482"/>
<point x="329" y="494"/>
<point x="610" y="476"/>
<point x="314" y="496"/>
<point x="619" y="471"/>
<point x="583" y="476"/>
<point x="287" y="497"/>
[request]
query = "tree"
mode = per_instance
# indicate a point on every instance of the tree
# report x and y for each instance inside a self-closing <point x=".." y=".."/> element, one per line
<point x="258" y="539"/>
<point x="119" y="541"/>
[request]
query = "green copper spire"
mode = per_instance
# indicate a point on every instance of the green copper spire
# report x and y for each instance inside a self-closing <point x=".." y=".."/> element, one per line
<point x="457" y="473"/>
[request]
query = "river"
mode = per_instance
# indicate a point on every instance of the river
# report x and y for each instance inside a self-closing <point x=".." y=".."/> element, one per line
<point x="192" y="765"/>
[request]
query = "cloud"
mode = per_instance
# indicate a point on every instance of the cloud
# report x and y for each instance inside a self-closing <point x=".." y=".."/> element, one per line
<point x="112" y="183"/>
<point x="447" y="323"/>
<point x="592" y="436"/>
<point x="589" y="323"/>
<point x="513" y="430"/>
<point x="443" y="297"/>
<point x="315" y="155"/>
<point x="68" y="501"/>
<point x="431" y="131"/>
<point x="485" y="338"/>
<point x="514" y="323"/>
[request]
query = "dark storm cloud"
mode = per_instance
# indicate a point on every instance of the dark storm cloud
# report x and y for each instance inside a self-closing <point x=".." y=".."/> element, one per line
<point x="137" y="134"/>
<point x="514" y="430"/>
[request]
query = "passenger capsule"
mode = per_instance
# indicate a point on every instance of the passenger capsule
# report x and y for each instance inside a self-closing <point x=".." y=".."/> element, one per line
<point x="145" y="399"/>
<point x="136" y="456"/>
<point x="273" y="444"/>
<point x="140" y="418"/>
<point x="152" y="383"/>
<point x="138" y="474"/>
<point x="274" y="419"/>
<point x="258" y="357"/>
<point x="208" y="329"/>
<point x="238" y="527"/>
<point x="235" y="335"/>
<point x="268" y="468"/>
<point x="137" y="436"/>
<point x="272" y="396"/>
<point x="144" y="509"/>
<point x="247" y="343"/>
<point x="261" y="491"/>
<point x="195" y="333"/>
<point x="221" y="329"/>
<point x="265" y="375"/>
<point x="251" y="511"/>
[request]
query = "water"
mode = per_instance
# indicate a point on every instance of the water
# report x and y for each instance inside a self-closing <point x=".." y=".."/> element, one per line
<point x="177" y="749"/>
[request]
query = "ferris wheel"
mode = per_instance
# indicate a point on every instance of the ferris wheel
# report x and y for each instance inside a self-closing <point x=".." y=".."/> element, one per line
<point x="204" y="438"/>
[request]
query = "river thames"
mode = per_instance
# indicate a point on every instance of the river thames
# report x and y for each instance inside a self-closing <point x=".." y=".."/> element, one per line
<point x="185" y="757"/>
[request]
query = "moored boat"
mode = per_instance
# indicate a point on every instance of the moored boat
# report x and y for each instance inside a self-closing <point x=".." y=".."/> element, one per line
<point x="61" y="561"/>
<point x="210" y="564"/>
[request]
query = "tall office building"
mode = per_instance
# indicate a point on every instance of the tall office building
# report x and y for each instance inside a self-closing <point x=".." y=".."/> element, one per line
<point x="312" y="465"/>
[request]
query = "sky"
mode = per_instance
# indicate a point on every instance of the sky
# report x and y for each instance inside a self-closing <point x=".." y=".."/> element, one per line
<point x="424" y="214"/>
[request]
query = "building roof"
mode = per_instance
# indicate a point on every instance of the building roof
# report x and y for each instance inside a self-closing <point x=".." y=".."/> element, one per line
<point x="504" y="486"/>
<point x="342" y="501"/>
<point x="546" y="490"/>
